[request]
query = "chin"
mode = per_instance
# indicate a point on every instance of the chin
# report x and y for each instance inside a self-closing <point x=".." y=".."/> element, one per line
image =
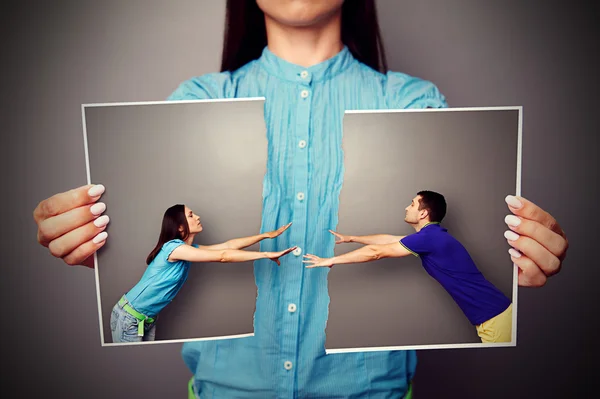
<point x="299" y="13"/>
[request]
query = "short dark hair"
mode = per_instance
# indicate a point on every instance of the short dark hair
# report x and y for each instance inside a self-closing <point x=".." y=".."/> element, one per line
<point x="434" y="203"/>
<point x="245" y="34"/>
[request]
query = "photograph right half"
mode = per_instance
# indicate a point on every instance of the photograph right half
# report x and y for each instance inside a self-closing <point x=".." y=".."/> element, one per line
<point x="421" y="256"/>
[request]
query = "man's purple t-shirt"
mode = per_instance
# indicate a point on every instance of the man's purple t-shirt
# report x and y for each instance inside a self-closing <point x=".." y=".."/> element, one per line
<point x="447" y="261"/>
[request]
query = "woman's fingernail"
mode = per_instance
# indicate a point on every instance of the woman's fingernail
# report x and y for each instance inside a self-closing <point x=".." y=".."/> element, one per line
<point x="96" y="190"/>
<point x="98" y="208"/>
<point x="101" y="221"/>
<point x="512" y="220"/>
<point x="100" y="237"/>
<point x="514" y="253"/>
<point x="513" y="201"/>
<point x="511" y="235"/>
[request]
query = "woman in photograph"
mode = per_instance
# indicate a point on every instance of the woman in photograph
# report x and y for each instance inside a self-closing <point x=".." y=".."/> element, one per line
<point x="133" y="318"/>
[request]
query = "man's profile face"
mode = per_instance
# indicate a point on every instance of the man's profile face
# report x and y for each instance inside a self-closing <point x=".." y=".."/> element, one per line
<point x="413" y="214"/>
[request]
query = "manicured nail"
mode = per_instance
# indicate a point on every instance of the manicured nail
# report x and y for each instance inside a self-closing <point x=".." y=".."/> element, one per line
<point x="100" y="237"/>
<point x="511" y="235"/>
<point x="514" y="253"/>
<point x="512" y="220"/>
<point x="513" y="201"/>
<point x="96" y="190"/>
<point x="98" y="208"/>
<point x="101" y="221"/>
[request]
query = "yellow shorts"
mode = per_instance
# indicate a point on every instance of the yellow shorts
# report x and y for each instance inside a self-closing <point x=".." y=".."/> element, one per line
<point x="498" y="328"/>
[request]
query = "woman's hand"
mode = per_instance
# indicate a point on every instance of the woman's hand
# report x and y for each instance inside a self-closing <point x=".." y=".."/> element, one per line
<point x="274" y="256"/>
<point x="276" y="233"/>
<point x="70" y="224"/>
<point x="539" y="245"/>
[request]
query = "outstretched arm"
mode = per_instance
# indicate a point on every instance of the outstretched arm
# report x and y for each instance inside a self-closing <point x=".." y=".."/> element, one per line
<point x="367" y="253"/>
<point x="191" y="254"/>
<point x="244" y="242"/>
<point x="367" y="240"/>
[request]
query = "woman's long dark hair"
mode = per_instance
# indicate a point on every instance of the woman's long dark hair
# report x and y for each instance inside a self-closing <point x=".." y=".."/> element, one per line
<point x="173" y="218"/>
<point x="246" y="35"/>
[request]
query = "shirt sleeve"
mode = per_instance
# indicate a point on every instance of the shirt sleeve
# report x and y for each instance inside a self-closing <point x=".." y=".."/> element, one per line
<point x="417" y="244"/>
<point x="205" y="87"/>
<point x="404" y="92"/>
<point x="169" y="247"/>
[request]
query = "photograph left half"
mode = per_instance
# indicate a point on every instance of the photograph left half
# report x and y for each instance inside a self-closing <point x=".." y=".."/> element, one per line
<point x="183" y="181"/>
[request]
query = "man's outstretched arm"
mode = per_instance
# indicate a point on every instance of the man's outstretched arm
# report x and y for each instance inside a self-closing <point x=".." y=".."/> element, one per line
<point x="366" y="240"/>
<point x="365" y="254"/>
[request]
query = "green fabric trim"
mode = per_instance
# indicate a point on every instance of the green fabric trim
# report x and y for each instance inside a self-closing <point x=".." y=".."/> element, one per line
<point x="191" y="394"/>
<point x="409" y="393"/>
<point x="408" y="249"/>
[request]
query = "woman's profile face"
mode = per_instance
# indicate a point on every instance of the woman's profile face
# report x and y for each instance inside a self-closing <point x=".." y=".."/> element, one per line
<point x="193" y="221"/>
<point x="299" y="13"/>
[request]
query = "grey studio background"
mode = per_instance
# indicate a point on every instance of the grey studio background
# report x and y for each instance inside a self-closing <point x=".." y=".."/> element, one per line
<point x="470" y="157"/>
<point x="210" y="156"/>
<point x="58" y="55"/>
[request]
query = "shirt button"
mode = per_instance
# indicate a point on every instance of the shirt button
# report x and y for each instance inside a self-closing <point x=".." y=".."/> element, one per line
<point x="304" y="93"/>
<point x="292" y="307"/>
<point x="304" y="74"/>
<point x="302" y="144"/>
<point x="300" y="196"/>
<point x="297" y="251"/>
<point x="287" y="365"/>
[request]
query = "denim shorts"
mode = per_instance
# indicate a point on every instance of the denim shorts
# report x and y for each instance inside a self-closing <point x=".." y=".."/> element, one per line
<point x="124" y="327"/>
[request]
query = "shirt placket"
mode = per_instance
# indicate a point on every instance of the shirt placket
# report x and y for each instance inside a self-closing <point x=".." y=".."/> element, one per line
<point x="295" y="268"/>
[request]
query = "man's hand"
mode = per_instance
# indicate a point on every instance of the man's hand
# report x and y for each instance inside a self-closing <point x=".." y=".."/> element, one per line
<point x="315" y="261"/>
<point x="340" y="238"/>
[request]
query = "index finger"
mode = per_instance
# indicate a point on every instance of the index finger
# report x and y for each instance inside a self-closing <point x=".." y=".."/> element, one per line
<point x="526" y="209"/>
<point x="335" y="233"/>
<point x="63" y="202"/>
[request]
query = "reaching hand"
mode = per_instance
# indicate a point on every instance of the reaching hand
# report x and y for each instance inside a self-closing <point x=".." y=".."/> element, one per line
<point x="276" y="233"/>
<point x="539" y="245"/>
<point x="315" y="261"/>
<point x="274" y="256"/>
<point x="342" y="238"/>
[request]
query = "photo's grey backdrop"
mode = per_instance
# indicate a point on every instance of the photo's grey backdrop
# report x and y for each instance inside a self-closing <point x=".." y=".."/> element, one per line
<point x="210" y="156"/>
<point x="58" y="55"/>
<point x="470" y="157"/>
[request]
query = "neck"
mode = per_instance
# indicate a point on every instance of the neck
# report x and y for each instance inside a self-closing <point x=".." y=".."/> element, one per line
<point x="420" y="224"/>
<point x="306" y="46"/>
<point x="190" y="239"/>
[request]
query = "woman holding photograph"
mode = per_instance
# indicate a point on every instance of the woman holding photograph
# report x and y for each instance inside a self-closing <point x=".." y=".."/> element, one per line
<point x="133" y="318"/>
<point x="311" y="60"/>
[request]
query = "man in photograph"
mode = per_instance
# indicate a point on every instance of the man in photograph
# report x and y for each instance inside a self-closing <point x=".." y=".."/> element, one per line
<point x="443" y="257"/>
